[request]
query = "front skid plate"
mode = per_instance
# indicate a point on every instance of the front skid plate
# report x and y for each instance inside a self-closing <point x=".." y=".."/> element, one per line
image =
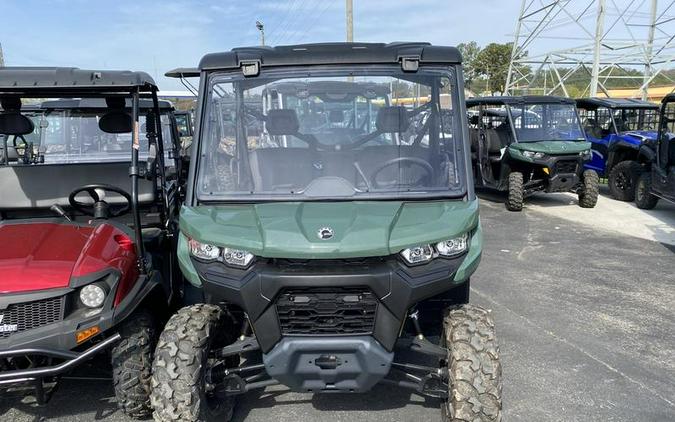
<point x="321" y="364"/>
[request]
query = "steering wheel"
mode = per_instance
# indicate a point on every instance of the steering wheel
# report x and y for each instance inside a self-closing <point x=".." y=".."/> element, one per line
<point x="100" y="208"/>
<point x="396" y="161"/>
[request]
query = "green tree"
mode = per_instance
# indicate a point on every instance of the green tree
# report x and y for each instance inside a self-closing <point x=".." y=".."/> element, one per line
<point x="493" y="63"/>
<point x="470" y="51"/>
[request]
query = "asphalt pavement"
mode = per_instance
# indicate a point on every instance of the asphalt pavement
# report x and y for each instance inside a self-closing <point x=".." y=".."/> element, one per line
<point x="585" y="313"/>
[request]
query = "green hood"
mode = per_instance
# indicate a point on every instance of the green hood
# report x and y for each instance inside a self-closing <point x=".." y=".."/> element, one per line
<point x="289" y="230"/>
<point x="552" y="147"/>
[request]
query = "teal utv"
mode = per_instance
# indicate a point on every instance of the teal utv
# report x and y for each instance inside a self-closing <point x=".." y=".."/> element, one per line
<point x="529" y="144"/>
<point x="329" y="233"/>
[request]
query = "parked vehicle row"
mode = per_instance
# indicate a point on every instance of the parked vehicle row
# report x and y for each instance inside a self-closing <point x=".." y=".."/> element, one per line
<point x="325" y="240"/>
<point x="314" y="228"/>
<point x="529" y="144"/>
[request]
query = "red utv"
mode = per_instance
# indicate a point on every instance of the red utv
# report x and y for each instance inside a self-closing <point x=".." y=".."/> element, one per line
<point x="88" y="188"/>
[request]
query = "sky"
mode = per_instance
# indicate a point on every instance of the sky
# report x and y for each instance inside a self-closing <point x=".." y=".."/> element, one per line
<point x="156" y="36"/>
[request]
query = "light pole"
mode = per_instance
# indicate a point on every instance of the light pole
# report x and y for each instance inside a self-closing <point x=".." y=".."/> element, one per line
<point x="261" y="28"/>
<point x="349" y="6"/>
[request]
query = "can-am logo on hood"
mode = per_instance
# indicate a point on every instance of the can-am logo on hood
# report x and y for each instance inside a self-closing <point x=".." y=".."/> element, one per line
<point x="7" y="328"/>
<point x="325" y="233"/>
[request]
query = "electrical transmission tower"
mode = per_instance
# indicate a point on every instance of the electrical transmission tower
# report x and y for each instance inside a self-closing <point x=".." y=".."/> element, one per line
<point x="604" y="43"/>
<point x="2" y="57"/>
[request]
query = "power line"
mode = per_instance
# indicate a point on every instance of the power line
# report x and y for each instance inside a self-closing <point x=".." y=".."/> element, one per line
<point x="293" y="21"/>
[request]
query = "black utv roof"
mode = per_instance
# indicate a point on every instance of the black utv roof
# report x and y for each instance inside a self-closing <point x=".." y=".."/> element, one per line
<point x="595" y="102"/>
<point x="524" y="99"/>
<point x="323" y="54"/>
<point x="95" y="103"/>
<point x="669" y="98"/>
<point x="70" y="79"/>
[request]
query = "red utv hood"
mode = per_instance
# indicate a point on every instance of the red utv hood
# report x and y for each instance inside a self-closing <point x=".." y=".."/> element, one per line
<point x="37" y="256"/>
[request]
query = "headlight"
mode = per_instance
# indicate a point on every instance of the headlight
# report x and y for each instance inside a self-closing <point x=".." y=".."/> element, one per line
<point x="237" y="257"/>
<point x="234" y="257"/>
<point x="203" y="250"/>
<point x="418" y="254"/>
<point x="586" y="155"/>
<point x="452" y="247"/>
<point x="532" y="154"/>
<point x="92" y="296"/>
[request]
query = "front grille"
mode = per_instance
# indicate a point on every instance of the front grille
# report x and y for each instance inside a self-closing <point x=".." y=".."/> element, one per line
<point x="326" y="311"/>
<point x="29" y="315"/>
<point x="566" y="166"/>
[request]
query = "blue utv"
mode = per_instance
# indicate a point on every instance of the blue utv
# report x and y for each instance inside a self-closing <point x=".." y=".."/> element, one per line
<point x="617" y="128"/>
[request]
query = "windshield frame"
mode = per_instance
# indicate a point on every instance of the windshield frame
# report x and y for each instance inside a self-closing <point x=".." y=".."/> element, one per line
<point x="272" y="74"/>
<point x="517" y="138"/>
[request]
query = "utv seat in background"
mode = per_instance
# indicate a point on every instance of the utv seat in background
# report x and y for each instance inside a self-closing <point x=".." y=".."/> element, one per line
<point x="281" y="168"/>
<point x="14" y="124"/>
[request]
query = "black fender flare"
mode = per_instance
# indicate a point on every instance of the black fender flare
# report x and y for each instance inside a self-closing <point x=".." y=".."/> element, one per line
<point x="147" y="288"/>
<point x="646" y="155"/>
<point x="619" y="149"/>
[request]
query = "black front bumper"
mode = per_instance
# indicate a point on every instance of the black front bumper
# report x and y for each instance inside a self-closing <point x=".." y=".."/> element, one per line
<point x="70" y="361"/>
<point x="56" y="341"/>
<point x="259" y="289"/>
<point x="564" y="173"/>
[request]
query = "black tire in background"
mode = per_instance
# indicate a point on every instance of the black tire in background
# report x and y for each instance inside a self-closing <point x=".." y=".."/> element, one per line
<point x="623" y="179"/>
<point x="643" y="195"/>
<point x="588" y="195"/>
<point x="179" y="370"/>
<point x="474" y="368"/>
<point x="132" y="364"/>
<point x="516" y="195"/>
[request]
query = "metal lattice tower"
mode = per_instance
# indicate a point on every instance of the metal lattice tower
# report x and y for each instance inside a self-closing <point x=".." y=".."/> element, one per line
<point x="604" y="40"/>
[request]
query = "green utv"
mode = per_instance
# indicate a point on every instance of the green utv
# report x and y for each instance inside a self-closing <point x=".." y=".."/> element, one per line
<point x="329" y="233"/>
<point x="530" y="144"/>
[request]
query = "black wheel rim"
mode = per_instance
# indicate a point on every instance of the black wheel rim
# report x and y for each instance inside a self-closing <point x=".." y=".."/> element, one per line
<point x="623" y="182"/>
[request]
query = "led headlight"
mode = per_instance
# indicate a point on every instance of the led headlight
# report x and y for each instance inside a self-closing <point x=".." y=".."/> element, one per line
<point x="586" y="155"/>
<point x="92" y="296"/>
<point x="532" y="154"/>
<point x="452" y="247"/>
<point x="203" y="250"/>
<point x="237" y="257"/>
<point x="418" y="254"/>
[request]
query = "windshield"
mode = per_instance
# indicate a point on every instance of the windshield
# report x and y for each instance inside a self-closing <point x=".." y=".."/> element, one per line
<point x="352" y="132"/>
<point x="73" y="136"/>
<point x="545" y="122"/>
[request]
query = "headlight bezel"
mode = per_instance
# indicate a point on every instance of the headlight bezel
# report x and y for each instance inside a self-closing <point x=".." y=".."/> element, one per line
<point x="232" y="257"/>
<point x="435" y="253"/>
<point x="533" y="155"/>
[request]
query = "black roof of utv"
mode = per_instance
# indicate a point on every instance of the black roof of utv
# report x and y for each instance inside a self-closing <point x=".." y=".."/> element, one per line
<point x="323" y="54"/>
<point x="71" y="79"/>
<point x="595" y="102"/>
<point x="96" y="103"/>
<point x="524" y="99"/>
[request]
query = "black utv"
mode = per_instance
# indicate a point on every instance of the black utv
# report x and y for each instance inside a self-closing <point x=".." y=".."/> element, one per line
<point x="530" y="144"/>
<point x="657" y="180"/>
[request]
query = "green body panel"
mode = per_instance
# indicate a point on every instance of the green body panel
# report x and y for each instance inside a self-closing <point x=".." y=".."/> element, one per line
<point x="551" y="147"/>
<point x="361" y="229"/>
